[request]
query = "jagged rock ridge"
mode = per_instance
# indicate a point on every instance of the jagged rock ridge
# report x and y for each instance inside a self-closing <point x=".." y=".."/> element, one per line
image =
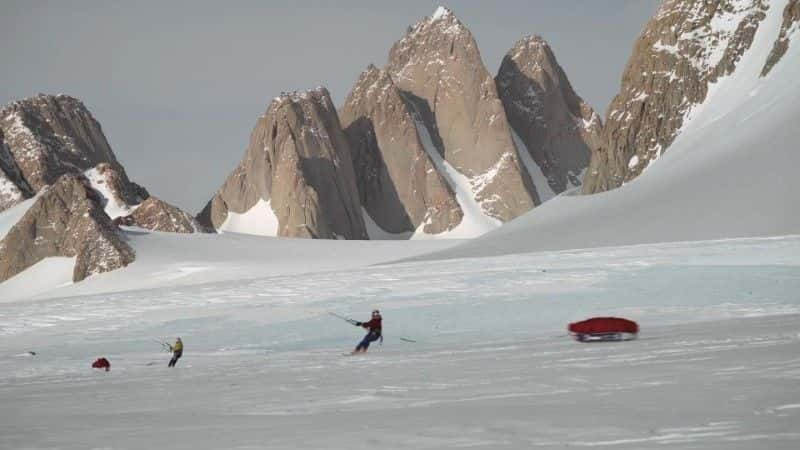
<point x="51" y="146"/>
<point x="298" y="161"/>
<point x="557" y="127"/>
<point x="684" y="48"/>
<point x="428" y="143"/>
<point x="129" y="204"/>
<point x="438" y="69"/>
<point x="47" y="136"/>
<point x="398" y="183"/>
<point x="66" y="220"/>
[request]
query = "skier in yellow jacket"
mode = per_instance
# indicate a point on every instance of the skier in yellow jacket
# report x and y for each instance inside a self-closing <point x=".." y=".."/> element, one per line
<point x="177" y="352"/>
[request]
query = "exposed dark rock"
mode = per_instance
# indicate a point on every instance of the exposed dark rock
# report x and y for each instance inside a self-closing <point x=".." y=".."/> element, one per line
<point x="398" y="183"/>
<point x="68" y="221"/>
<point x="299" y="161"/>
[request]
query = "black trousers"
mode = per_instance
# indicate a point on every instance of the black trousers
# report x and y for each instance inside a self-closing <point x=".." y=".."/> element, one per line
<point x="175" y="357"/>
<point x="370" y="337"/>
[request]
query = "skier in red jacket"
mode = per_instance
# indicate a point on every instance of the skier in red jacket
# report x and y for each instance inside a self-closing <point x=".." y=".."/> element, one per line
<point x="375" y="331"/>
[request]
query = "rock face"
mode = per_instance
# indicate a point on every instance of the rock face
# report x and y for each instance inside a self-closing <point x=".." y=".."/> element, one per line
<point x="45" y="137"/>
<point x="130" y="204"/>
<point x="398" y="183"/>
<point x="66" y="220"/>
<point x="48" y="136"/>
<point x="298" y="161"/>
<point x="558" y="128"/>
<point x="156" y="214"/>
<point x="430" y="151"/>
<point x="13" y="188"/>
<point x="438" y="69"/>
<point x="119" y="196"/>
<point x="53" y="147"/>
<point x="790" y="25"/>
<point x="685" y="47"/>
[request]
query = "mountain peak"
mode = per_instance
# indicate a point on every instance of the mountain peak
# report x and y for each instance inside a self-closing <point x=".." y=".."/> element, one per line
<point x="50" y="135"/>
<point x="442" y="13"/>
<point x="533" y="40"/>
<point x="296" y="178"/>
<point x="443" y="20"/>
<point x="42" y="101"/>
<point x="290" y="97"/>
<point x="557" y="128"/>
<point x="533" y="50"/>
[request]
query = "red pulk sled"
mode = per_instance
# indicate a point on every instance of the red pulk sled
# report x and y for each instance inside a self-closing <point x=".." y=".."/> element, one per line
<point x="101" y="363"/>
<point x="604" y="329"/>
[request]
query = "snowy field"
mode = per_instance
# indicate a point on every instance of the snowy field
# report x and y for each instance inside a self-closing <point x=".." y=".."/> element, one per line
<point x="717" y="364"/>
<point x="171" y="259"/>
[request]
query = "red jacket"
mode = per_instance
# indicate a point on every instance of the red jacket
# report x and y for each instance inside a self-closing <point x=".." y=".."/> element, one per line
<point x="374" y="324"/>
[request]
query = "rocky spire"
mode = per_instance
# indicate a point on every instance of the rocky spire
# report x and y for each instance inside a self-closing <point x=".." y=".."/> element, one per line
<point x="50" y="135"/>
<point x="439" y="71"/>
<point x="399" y="184"/>
<point x="556" y="126"/>
<point x="298" y="164"/>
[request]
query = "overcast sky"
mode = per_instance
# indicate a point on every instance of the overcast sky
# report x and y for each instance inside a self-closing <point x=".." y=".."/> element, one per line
<point x="177" y="86"/>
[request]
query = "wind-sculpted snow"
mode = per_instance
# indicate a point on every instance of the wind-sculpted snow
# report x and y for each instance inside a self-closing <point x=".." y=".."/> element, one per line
<point x="491" y="366"/>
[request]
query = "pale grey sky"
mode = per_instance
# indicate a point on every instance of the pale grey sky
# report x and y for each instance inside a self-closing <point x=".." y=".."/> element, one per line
<point x="178" y="85"/>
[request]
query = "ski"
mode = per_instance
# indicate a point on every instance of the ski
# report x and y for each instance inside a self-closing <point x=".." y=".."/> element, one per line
<point x="604" y="337"/>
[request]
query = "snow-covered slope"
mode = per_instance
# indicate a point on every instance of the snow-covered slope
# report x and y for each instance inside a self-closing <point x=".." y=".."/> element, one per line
<point x="731" y="172"/>
<point x="259" y="220"/>
<point x="170" y="259"/>
<point x="716" y="365"/>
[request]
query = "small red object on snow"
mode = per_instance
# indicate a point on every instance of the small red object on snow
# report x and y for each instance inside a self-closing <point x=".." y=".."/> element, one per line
<point x="604" y="329"/>
<point x="101" y="363"/>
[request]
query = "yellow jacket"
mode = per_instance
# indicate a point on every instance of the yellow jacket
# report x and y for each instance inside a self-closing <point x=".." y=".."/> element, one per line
<point x="177" y="347"/>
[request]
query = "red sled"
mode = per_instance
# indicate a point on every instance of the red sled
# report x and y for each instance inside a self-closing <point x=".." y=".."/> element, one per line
<point x="599" y="329"/>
